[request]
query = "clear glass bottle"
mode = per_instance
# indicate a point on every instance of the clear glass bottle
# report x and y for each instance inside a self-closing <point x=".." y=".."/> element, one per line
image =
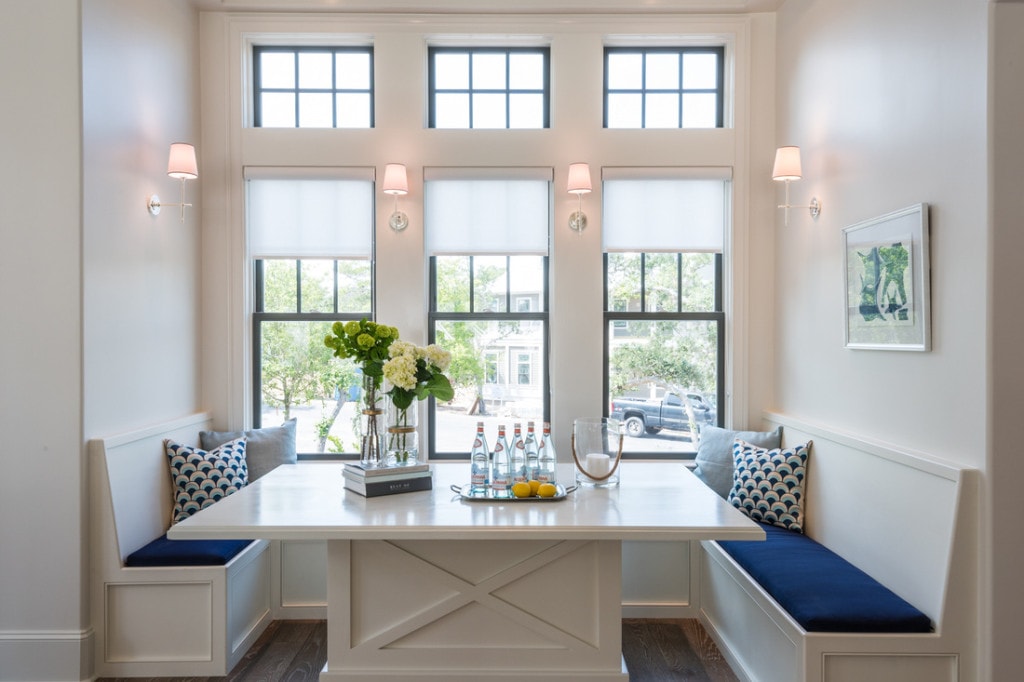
<point x="547" y="460"/>
<point x="518" y="456"/>
<point x="532" y="452"/>
<point x="480" y="463"/>
<point x="501" y="466"/>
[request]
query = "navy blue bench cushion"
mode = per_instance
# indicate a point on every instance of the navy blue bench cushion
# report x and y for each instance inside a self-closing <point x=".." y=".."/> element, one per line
<point x="821" y="590"/>
<point x="164" y="552"/>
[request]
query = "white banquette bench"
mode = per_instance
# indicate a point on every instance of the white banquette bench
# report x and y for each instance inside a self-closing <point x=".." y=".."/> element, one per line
<point x="163" y="621"/>
<point x="908" y="521"/>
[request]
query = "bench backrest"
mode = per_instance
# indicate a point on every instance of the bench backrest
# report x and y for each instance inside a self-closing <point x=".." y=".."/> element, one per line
<point x="906" y="519"/>
<point x="131" y="483"/>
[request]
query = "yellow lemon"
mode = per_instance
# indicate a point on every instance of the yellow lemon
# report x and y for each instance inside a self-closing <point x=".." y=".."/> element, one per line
<point x="547" y="490"/>
<point x="534" y="485"/>
<point x="521" y="489"/>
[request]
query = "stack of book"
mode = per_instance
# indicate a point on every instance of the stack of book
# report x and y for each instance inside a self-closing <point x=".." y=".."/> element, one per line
<point x="374" y="481"/>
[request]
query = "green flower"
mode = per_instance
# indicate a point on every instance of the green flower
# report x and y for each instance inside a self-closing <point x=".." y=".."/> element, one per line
<point x="365" y="342"/>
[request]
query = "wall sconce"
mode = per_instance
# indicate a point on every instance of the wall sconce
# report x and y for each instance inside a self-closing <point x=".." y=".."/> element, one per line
<point x="786" y="169"/>
<point x="396" y="183"/>
<point x="579" y="184"/>
<point x="181" y="164"/>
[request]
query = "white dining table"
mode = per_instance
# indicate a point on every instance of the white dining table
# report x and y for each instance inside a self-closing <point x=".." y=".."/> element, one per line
<point x="431" y="586"/>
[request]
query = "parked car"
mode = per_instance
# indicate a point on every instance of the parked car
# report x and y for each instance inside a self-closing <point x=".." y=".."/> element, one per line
<point x="651" y="415"/>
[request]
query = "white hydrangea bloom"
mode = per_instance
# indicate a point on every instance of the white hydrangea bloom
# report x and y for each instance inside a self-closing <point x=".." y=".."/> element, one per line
<point x="438" y="356"/>
<point x="401" y="348"/>
<point x="401" y="371"/>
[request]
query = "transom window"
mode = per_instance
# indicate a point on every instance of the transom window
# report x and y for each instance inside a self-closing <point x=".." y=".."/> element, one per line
<point x="313" y="87"/>
<point x="489" y="87"/>
<point x="663" y="87"/>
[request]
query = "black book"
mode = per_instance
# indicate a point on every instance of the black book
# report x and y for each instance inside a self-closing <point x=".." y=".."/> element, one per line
<point x="371" y="488"/>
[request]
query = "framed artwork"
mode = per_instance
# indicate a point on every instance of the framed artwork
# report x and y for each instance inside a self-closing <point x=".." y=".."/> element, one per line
<point x="887" y="281"/>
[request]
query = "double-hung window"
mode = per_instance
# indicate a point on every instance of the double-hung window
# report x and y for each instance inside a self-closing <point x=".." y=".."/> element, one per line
<point x="664" y="338"/>
<point x="310" y="241"/>
<point x="487" y="234"/>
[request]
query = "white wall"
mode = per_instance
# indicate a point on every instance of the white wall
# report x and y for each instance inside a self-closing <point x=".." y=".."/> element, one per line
<point x="889" y="104"/>
<point x="141" y="272"/>
<point x="43" y="618"/>
<point x="99" y="301"/>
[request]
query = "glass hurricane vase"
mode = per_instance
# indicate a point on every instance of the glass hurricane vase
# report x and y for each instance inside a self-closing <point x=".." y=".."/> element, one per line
<point x="371" y="423"/>
<point x="597" y="451"/>
<point x="403" y="440"/>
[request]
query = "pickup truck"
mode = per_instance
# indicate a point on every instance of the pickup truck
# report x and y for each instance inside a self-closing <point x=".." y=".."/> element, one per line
<point x="640" y="415"/>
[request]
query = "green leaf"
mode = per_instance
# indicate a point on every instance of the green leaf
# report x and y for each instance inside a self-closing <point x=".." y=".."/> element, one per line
<point x="441" y="388"/>
<point x="401" y="399"/>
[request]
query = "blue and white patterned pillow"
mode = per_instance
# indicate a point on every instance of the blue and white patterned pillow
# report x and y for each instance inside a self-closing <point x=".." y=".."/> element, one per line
<point x="768" y="485"/>
<point x="202" y="477"/>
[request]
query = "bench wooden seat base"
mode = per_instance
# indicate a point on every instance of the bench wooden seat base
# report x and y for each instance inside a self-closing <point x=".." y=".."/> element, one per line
<point x="907" y="520"/>
<point x="165" y="620"/>
<point x="763" y="643"/>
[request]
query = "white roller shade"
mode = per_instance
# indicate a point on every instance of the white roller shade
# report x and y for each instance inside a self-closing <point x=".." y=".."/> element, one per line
<point x="495" y="211"/>
<point x="665" y="209"/>
<point x="310" y="213"/>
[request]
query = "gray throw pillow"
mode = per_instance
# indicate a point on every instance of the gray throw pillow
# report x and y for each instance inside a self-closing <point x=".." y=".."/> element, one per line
<point x="714" y="454"/>
<point x="265" y="449"/>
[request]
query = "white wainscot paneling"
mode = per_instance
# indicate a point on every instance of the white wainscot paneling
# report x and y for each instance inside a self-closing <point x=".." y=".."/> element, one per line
<point x="658" y="579"/>
<point x="300" y="586"/>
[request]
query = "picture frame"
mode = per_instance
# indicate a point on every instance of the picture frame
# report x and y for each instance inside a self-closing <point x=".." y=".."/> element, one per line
<point x="887" y="282"/>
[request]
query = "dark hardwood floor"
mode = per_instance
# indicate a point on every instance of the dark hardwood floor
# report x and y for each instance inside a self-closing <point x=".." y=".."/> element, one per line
<point x="655" y="651"/>
<point x="671" y="651"/>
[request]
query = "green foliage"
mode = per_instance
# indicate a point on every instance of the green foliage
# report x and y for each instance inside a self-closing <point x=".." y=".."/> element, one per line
<point x="296" y="366"/>
<point x="660" y="359"/>
<point x="365" y="342"/>
<point x="672" y="352"/>
<point x="467" y="366"/>
<point x="466" y="340"/>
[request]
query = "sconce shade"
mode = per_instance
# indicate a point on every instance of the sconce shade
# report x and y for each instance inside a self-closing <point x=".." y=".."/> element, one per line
<point x="395" y="179"/>
<point x="787" y="164"/>
<point x="579" y="179"/>
<point x="182" y="162"/>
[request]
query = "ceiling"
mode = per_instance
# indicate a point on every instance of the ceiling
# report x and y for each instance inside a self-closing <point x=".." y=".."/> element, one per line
<point x="496" y="6"/>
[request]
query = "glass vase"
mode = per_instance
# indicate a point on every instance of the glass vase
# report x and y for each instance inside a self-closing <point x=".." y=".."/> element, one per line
<point x="371" y="423"/>
<point x="597" y="451"/>
<point x="403" y="446"/>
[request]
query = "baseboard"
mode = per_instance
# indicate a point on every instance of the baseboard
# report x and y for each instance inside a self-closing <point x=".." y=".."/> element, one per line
<point x="304" y="612"/>
<point x="673" y="611"/>
<point x="46" y="655"/>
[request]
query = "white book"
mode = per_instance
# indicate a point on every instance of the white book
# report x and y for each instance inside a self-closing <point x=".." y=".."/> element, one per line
<point x="357" y="469"/>
<point x="395" y="476"/>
